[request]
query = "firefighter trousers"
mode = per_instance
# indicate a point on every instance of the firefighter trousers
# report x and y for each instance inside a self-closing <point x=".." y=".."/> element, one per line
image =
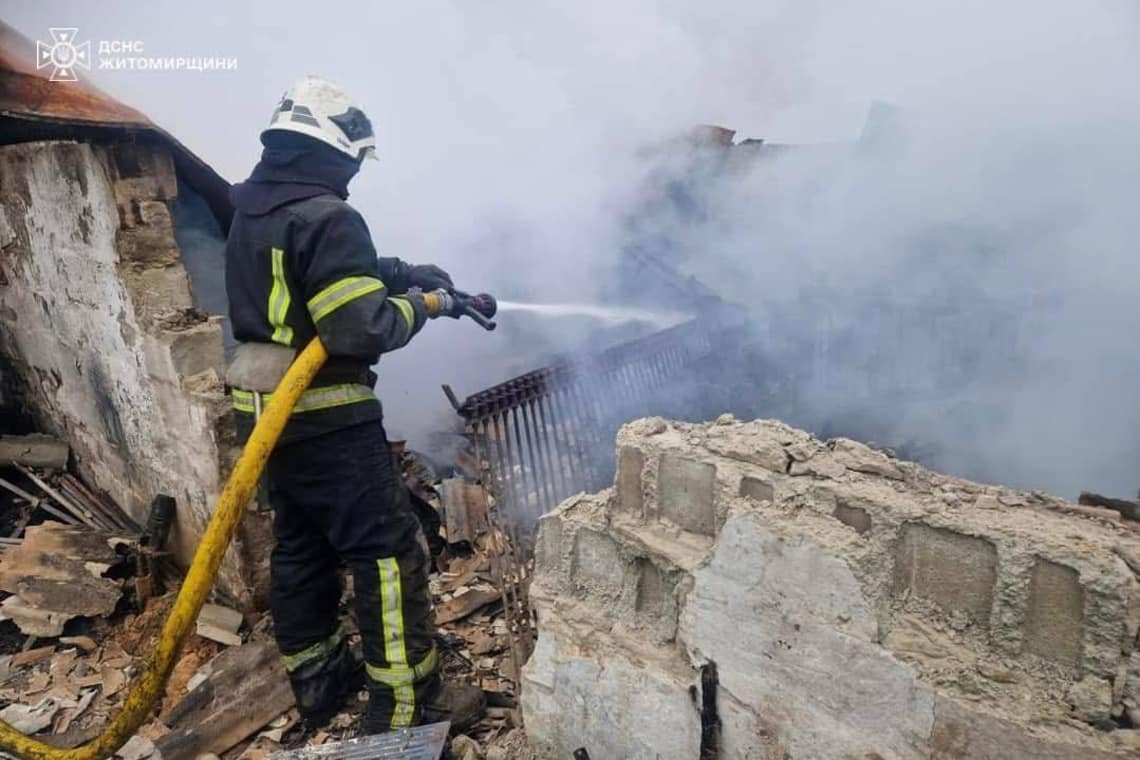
<point x="338" y="500"/>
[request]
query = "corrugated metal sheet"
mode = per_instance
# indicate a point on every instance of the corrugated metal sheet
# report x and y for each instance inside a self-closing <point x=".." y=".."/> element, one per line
<point x="419" y="743"/>
<point x="34" y="108"/>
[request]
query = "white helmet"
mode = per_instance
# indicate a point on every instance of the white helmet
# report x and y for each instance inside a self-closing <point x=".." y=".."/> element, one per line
<point x="320" y="109"/>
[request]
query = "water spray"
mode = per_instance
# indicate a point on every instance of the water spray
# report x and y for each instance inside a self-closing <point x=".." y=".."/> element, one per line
<point x="610" y="315"/>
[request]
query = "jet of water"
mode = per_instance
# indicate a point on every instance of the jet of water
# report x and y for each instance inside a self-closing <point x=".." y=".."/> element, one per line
<point x="610" y="315"/>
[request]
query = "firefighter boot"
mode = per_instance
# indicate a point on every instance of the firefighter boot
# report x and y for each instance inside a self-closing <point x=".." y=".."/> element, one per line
<point x="459" y="703"/>
<point x="435" y="701"/>
<point x="321" y="685"/>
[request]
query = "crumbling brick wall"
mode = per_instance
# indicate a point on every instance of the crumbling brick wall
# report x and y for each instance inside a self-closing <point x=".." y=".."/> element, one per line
<point x="96" y="319"/>
<point x="854" y="606"/>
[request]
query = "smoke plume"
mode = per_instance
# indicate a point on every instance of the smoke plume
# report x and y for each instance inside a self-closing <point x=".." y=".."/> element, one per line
<point x="955" y="276"/>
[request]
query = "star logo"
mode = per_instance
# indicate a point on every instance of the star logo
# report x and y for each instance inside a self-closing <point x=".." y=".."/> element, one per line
<point x="63" y="55"/>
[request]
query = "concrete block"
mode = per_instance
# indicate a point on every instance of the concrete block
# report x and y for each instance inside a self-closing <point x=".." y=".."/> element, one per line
<point x="755" y="488"/>
<point x="548" y="547"/>
<point x="597" y="567"/>
<point x="143" y="171"/>
<point x="1054" y="614"/>
<point x="197" y="349"/>
<point x="655" y="603"/>
<point x="1091" y="699"/>
<point x="794" y="639"/>
<point x="617" y="707"/>
<point x="821" y="466"/>
<point x="853" y="517"/>
<point x="963" y="733"/>
<point x="751" y="443"/>
<point x="862" y="458"/>
<point x="650" y="588"/>
<point x="158" y="292"/>
<point x="685" y="493"/>
<point x="630" y="464"/>
<point x="146" y="234"/>
<point x="955" y="571"/>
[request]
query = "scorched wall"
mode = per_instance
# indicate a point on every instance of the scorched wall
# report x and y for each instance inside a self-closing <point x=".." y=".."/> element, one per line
<point x="96" y="318"/>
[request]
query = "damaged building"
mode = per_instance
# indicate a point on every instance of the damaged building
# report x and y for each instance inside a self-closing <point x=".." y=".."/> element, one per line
<point x="695" y="590"/>
<point x="111" y="234"/>
<point x="748" y="591"/>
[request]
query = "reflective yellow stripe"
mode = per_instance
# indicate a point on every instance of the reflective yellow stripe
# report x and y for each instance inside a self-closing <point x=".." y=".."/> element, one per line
<point x="311" y="400"/>
<point x="406" y="309"/>
<point x="395" y="650"/>
<point x="400" y="676"/>
<point x="319" y="651"/>
<point x="341" y="292"/>
<point x="279" y="300"/>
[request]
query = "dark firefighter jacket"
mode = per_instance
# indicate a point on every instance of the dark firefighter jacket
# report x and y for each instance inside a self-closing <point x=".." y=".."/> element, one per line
<point x="300" y="263"/>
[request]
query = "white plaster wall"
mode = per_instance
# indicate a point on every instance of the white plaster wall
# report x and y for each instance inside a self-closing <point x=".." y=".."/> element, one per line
<point x="97" y="376"/>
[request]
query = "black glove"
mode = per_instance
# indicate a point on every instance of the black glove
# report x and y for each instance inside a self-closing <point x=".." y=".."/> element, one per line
<point x="428" y="277"/>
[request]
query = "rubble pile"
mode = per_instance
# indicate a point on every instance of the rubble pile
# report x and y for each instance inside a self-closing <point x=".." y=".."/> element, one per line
<point x="86" y="593"/>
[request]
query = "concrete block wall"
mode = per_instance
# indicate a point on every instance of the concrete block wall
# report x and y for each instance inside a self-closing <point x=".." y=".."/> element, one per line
<point x="96" y="319"/>
<point x="855" y="606"/>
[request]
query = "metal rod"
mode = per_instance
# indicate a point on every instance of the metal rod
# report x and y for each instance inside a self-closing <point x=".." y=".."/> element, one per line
<point x="558" y="449"/>
<point x="587" y="431"/>
<point x="570" y="434"/>
<point x="542" y="482"/>
<point x="553" y="463"/>
<point x="524" y="503"/>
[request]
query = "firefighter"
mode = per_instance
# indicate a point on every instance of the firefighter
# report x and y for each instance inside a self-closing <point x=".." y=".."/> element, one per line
<point x="300" y="263"/>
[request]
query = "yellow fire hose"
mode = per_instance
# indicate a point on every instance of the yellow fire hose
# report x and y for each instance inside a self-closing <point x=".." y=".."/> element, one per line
<point x="227" y="515"/>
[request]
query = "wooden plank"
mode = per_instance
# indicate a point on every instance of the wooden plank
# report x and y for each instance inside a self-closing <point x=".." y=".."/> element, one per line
<point x="35" y="450"/>
<point x="57" y="496"/>
<point x="38" y="502"/>
<point x="112" y="510"/>
<point x="462" y="606"/>
<point x="76" y="498"/>
<point x="246" y="689"/>
<point x="465" y="506"/>
<point x="32" y="656"/>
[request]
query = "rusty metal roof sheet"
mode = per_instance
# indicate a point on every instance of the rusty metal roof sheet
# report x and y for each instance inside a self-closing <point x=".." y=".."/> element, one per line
<point x="33" y="107"/>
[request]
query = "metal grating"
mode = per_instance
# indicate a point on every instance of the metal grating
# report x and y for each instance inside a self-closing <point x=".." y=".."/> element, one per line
<point x="418" y="743"/>
<point x="549" y="433"/>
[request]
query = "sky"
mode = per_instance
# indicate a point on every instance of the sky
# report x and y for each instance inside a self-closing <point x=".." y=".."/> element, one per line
<point x="508" y="133"/>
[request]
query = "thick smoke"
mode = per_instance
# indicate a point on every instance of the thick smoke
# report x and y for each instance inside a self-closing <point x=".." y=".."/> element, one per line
<point x="959" y="281"/>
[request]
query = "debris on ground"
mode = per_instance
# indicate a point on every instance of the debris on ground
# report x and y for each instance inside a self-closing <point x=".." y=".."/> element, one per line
<point x="68" y="689"/>
<point x="85" y="612"/>
<point x="245" y="689"/>
<point x="60" y="572"/>
<point x="219" y="624"/>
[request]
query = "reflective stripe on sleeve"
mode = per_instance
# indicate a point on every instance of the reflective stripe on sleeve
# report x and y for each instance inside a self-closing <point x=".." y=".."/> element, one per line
<point x="406" y="310"/>
<point x="341" y="292"/>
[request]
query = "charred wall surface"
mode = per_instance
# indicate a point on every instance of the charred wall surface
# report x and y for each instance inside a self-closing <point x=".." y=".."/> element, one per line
<point x="748" y="591"/>
<point x="97" y="320"/>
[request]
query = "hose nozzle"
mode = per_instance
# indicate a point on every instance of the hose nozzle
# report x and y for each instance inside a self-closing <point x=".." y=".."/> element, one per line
<point x="480" y="307"/>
